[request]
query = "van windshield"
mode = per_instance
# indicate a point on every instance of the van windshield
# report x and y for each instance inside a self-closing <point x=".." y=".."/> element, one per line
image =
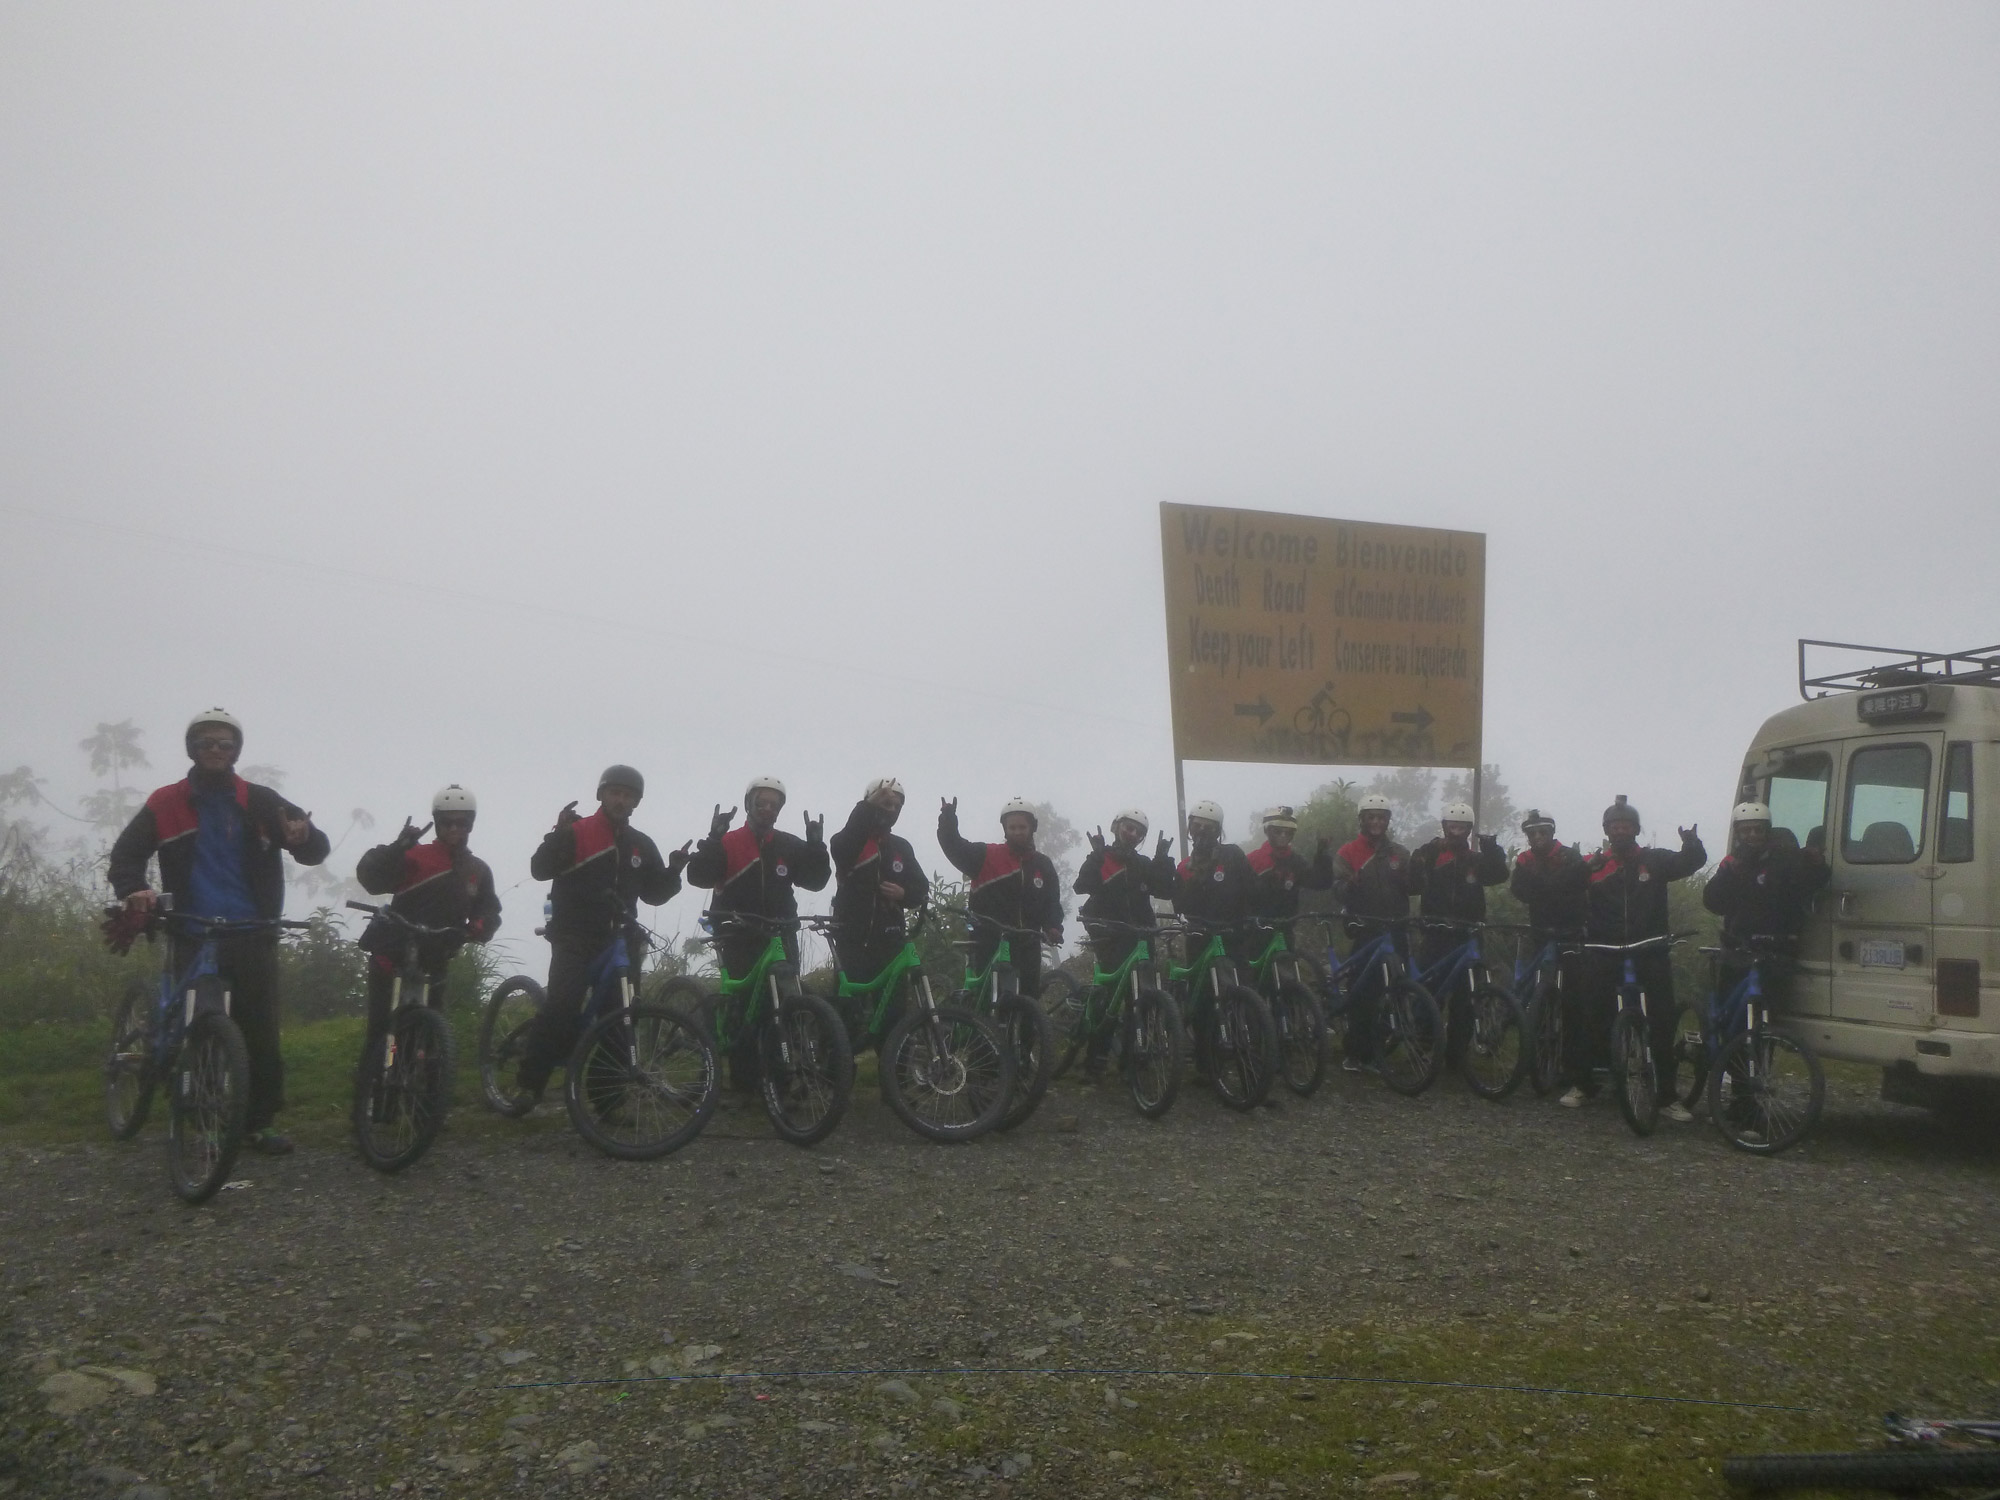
<point x="1887" y="789"/>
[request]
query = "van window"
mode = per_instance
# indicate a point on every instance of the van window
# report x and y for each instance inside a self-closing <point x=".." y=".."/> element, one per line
<point x="1798" y="795"/>
<point x="1955" y="831"/>
<point x="1887" y="787"/>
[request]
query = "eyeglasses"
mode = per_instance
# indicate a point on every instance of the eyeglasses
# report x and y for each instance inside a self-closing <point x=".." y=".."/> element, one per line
<point x="453" y="820"/>
<point x="215" y="742"/>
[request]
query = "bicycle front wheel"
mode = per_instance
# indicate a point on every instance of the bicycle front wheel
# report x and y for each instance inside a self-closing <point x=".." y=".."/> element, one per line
<point x="1632" y="1075"/>
<point x="1242" y="1047"/>
<point x="128" y="1066"/>
<point x="1766" y="1097"/>
<point x="946" y="1073"/>
<point x="1152" y="1061"/>
<point x="1301" y="1038"/>
<point x="208" y="1106"/>
<point x="1496" y="1054"/>
<point x="1409" y="1031"/>
<point x="403" y="1088"/>
<point x="503" y="1038"/>
<point x="1025" y="1029"/>
<point x="807" y="1071"/>
<point x="641" y="1083"/>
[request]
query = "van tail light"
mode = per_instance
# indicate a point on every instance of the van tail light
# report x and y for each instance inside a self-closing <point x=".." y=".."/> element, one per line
<point x="1958" y="986"/>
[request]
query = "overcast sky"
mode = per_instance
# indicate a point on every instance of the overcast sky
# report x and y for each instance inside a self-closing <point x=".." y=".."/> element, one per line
<point x="487" y="393"/>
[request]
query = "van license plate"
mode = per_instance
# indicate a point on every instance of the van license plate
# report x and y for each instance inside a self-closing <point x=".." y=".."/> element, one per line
<point x="1882" y="955"/>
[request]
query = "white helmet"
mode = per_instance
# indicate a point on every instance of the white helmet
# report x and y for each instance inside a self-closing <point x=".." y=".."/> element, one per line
<point x="1281" y="817"/>
<point x="1750" y="812"/>
<point x="1457" y="812"/>
<point x="1019" y="805"/>
<point x="1133" y="815"/>
<point x="882" y="784"/>
<point x="763" y="784"/>
<point x="1208" y="812"/>
<point x="454" y="799"/>
<point x="213" y="716"/>
<point x="1373" y="802"/>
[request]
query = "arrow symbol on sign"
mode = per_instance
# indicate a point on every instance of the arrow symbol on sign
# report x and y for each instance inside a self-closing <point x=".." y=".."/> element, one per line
<point x="1421" y="718"/>
<point x="1260" y="710"/>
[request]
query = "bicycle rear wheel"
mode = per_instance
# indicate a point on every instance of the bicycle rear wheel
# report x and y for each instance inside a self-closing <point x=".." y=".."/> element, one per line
<point x="807" y="1068"/>
<point x="1241" y="1047"/>
<point x="403" y="1088"/>
<point x="1025" y="1029"/>
<point x="1409" y="1030"/>
<point x="128" y="1066"/>
<point x="641" y="1083"/>
<point x="1496" y="1054"/>
<point x="946" y="1073"/>
<point x="1544" y="1026"/>
<point x="1632" y="1077"/>
<point x="1767" y="1097"/>
<point x="503" y="1035"/>
<point x="208" y="1106"/>
<point x="1690" y="1060"/>
<point x="1152" y="1061"/>
<point x="1301" y="1038"/>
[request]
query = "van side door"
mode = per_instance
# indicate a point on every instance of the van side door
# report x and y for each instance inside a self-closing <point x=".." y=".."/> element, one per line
<point x="1883" y="863"/>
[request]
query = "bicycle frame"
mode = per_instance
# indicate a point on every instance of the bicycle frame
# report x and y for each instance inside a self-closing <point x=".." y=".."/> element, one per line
<point x="1111" y="984"/>
<point x="1548" y="959"/>
<point x="1380" y="952"/>
<point x="1206" y="973"/>
<point x="1277" y="952"/>
<point x="883" y="987"/>
<point x="1632" y="994"/>
<point x="1467" y="960"/>
<point x="761" y="979"/>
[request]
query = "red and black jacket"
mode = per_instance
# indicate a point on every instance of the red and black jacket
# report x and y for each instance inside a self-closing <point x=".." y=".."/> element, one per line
<point x="1372" y="879"/>
<point x="433" y="886"/>
<point x="1626" y="899"/>
<point x="1016" y="890"/>
<point x="1118" y="885"/>
<point x="1551" y="883"/>
<point x="1451" y="882"/>
<point x="1768" y="894"/>
<point x="1277" y="877"/>
<point x="167" y="824"/>
<point x="1212" y="890"/>
<point x="601" y="872"/>
<point x="865" y="854"/>
<point x="756" y="874"/>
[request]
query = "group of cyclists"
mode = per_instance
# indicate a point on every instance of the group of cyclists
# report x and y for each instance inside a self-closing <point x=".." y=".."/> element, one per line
<point x="219" y="841"/>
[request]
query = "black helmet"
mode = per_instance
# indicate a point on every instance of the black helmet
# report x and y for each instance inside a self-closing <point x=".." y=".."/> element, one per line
<point x="1536" y="818"/>
<point x="1621" y="811"/>
<point x="623" y="776"/>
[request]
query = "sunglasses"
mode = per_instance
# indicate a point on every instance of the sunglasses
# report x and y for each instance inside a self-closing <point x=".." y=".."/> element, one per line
<point x="215" y="742"/>
<point x="453" y="820"/>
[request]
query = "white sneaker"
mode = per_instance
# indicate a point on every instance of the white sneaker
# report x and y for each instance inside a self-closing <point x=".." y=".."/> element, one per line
<point x="1677" y="1112"/>
<point x="1573" y="1099"/>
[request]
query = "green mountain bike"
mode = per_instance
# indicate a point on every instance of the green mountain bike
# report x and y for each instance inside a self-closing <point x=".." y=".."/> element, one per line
<point x="994" y="993"/>
<point x="1285" y="981"/>
<point x="1235" y="1039"/>
<point x="1123" y="1011"/>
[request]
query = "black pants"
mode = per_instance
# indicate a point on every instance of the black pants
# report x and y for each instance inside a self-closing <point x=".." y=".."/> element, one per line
<point x="1365" y="993"/>
<point x="249" y="966"/>
<point x="1025" y="954"/>
<point x="1603" y="975"/>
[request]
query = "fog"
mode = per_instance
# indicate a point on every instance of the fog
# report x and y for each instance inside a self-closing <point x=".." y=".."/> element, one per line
<point x="487" y="393"/>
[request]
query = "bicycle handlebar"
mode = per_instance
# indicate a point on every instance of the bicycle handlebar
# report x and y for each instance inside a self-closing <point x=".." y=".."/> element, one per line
<point x="402" y="921"/>
<point x="1669" y="939"/>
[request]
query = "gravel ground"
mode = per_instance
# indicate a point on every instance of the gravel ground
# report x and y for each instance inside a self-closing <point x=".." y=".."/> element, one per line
<point x="325" y="1331"/>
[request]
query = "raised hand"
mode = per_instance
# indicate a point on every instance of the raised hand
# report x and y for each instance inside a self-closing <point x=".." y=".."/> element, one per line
<point x="815" y="828"/>
<point x="299" y="829"/>
<point x="1166" y="846"/>
<point x="1097" y="840"/>
<point x="719" y="824"/>
<point x="948" y="810"/>
<point x="1691" y="835"/>
<point x="411" y="834"/>
<point x="1321" y="845"/>
<point x="679" y="858"/>
<point x="567" y="816"/>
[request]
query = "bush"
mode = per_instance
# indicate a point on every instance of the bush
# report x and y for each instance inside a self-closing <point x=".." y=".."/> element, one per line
<point x="54" y="967"/>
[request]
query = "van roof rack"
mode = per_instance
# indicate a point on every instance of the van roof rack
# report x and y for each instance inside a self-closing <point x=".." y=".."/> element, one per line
<point x="1903" y="668"/>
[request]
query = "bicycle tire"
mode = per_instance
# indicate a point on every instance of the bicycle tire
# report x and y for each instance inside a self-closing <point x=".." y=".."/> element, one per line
<point x="1633" y="1079"/>
<point x="1748" y="1117"/>
<point x="1544" y="1024"/>
<point x="1152" y="1057"/>
<point x="1025" y="1028"/>
<point x="1301" y="1032"/>
<point x="208" y="1106"/>
<point x="128" y="1066"/>
<point x="642" y="1082"/>
<point x="1495" y="1058"/>
<point x="687" y="995"/>
<point x="399" y="1107"/>
<point x="1241" y="1047"/>
<point x="1888" y="1470"/>
<point x="1409" y="1036"/>
<point x="946" y="1073"/>
<point x="503" y="1029"/>
<point x="806" y="1072"/>
<point x="1315" y="975"/>
<point x="1690" y="1060"/>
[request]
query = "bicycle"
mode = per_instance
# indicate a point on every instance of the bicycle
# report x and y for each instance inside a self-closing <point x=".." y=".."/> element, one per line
<point x="1406" y="1027"/>
<point x="1544" y="1015"/>
<point x="640" y="1082"/>
<point x="1279" y="975"/>
<point x="946" y="1073"/>
<point x="805" y="1068"/>
<point x="994" y="993"/>
<point x="1235" y="1039"/>
<point x="1123" y="1010"/>
<point x="1635" y="1078"/>
<point x="1765" y="1089"/>
<point x="402" y="1085"/>
<point x="1483" y="1032"/>
<point x="179" y="1030"/>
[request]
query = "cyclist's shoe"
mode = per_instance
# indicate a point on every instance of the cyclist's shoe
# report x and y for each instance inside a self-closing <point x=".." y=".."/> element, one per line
<point x="1352" y="1064"/>
<point x="1677" y="1112"/>
<point x="529" y="1088"/>
<point x="270" y="1141"/>
<point x="1572" y="1098"/>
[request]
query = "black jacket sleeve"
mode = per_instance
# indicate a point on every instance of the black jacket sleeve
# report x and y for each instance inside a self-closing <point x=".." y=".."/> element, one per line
<point x="705" y="866"/>
<point x="317" y="845"/>
<point x="556" y="854"/>
<point x="966" y="857"/>
<point x="812" y="866"/>
<point x="916" y="884"/>
<point x="1318" y="872"/>
<point x="134" y="846"/>
<point x="1684" y="861"/>
<point x="1089" y="875"/>
<point x="380" y="870"/>
<point x="862" y="824"/>
<point x="1044" y="906"/>
<point x="652" y="882"/>
<point x="1492" y="866"/>
<point x="484" y="918"/>
<point x="1720" y="893"/>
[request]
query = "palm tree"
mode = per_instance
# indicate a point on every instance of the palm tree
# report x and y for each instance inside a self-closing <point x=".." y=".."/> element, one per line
<point x="113" y="750"/>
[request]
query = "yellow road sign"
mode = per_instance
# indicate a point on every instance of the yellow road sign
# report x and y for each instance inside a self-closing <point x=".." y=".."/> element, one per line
<point x="1304" y="640"/>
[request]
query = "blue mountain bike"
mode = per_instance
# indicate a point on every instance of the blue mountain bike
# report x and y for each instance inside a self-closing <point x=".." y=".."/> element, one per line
<point x="1483" y="1033"/>
<point x="1392" y="1021"/>
<point x="1766" y="1089"/>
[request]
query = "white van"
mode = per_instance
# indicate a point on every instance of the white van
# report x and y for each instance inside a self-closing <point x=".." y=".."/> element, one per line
<point x="1891" y="768"/>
